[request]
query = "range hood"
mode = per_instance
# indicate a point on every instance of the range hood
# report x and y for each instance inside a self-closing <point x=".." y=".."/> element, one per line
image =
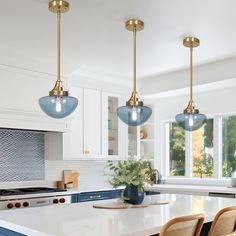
<point x="18" y="119"/>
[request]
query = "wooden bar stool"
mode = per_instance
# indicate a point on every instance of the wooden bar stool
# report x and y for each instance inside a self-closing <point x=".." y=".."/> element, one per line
<point x="183" y="226"/>
<point x="224" y="223"/>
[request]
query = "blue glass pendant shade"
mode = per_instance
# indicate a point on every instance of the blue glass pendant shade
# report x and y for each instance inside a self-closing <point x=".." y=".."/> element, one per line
<point x="134" y="115"/>
<point x="190" y="122"/>
<point x="58" y="107"/>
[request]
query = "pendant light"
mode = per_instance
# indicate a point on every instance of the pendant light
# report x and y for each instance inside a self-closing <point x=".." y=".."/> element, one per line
<point x="191" y="119"/>
<point x="134" y="113"/>
<point x="58" y="104"/>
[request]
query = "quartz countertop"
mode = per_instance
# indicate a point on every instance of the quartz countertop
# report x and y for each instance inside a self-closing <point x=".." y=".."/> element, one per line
<point x="184" y="188"/>
<point x="83" y="219"/>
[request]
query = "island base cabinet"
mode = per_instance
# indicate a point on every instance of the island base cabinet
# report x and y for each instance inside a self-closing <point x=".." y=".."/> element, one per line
<point x="7" y="232"/>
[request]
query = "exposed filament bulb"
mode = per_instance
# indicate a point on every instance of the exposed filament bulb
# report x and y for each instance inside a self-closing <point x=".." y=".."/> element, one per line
<point x="58" y="104"/>
<point x="190" y="120"/>
<point x="134" y="114"/>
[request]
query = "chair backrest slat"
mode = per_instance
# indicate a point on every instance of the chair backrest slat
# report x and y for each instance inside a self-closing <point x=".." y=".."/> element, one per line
<point x="183" y="226"/>
<point x="224" y="223"/>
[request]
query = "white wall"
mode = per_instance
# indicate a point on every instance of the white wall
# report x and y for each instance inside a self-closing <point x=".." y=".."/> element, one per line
<point x="202" y="75"/>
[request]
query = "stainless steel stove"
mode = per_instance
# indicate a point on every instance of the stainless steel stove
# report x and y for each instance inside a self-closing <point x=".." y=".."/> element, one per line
<point x="32" y="197"/>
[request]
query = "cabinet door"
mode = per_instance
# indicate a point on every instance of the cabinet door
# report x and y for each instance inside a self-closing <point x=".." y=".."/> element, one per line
<point x="92" y="123"/>
<point x="114" y="138"/>
<point x="73" y="140"/>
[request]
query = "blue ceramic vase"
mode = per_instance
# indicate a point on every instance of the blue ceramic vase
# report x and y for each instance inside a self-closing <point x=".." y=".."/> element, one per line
<point x="132" y="195"/>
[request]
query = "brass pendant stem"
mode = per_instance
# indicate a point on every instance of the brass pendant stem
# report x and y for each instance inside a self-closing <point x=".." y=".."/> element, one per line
<point x="134" y="26"/>
<point x="58" y="45"/>
<point x="58" y="7"/>
<point x="191" y="43"/>
<point x="134" y="82"/>
<point x="191" y="74"/>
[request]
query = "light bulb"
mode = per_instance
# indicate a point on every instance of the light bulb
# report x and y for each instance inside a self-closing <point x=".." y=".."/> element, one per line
<point x="190" y="121"/>
<point x="58" y="104"/>
<point x="134" y="114"/>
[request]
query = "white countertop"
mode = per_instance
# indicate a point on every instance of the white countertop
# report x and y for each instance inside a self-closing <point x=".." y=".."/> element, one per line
<point x="82" y="219"/>
<point x="191" y="188"/>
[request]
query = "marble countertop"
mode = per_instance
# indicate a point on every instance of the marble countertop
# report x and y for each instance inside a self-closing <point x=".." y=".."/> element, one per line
<point x="191" y="188"/>
<point x="83" y="219"/>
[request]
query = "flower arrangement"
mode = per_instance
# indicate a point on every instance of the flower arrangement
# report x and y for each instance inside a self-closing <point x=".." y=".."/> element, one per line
<point x="131" y="173"/>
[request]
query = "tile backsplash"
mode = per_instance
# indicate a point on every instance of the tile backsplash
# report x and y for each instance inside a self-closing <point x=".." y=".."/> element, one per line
<point x="93" y="174"/>
<point x="21" y="155"/>
<point x="23" y="164"/>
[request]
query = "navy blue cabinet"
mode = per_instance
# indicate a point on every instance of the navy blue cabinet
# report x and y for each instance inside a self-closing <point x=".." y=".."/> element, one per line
<point x="101" y="195"/>
<point x="95" y="196"/>
<point x="7" y="232"/>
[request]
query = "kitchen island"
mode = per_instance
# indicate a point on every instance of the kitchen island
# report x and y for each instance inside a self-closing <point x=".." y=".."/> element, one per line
<point x="82" y="219"/>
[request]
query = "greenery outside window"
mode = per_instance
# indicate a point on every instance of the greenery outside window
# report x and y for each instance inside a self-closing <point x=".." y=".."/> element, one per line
<point x="176" y="150"/>
<point x="228" y="145"/>
<point x="207" y="153"/>
<point x="190" y="154"/>
<point x="202" y="148"/>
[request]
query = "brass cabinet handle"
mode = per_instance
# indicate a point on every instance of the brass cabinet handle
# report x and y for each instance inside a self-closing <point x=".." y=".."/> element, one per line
<point x="86" y="151"/>
<point x="94" y="197"/>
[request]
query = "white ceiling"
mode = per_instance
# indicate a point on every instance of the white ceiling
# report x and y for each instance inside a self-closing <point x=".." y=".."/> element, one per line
<point x="95" y="42"/>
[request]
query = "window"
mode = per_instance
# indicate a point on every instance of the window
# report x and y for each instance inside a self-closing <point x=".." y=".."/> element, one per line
<point x="176" y="150"/>
<point x="202" y="148"/>
<point x="228" y="145"/>
<point x="197" y="156"/>
<point x="209" y="152"/>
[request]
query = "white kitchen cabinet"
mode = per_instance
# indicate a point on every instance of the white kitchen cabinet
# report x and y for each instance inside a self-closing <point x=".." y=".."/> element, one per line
<point x="95" y="131"/>
<point x="84" y="137"/>
<point x="92" y="123"/>
<point x="114" y="131"/>
<point x="73" y="139"/>
<point x="142" y="139"/>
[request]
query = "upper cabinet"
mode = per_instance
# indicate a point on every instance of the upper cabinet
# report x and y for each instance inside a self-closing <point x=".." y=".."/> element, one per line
<point x="84" y="136"/>
<point x="73" y="139"/>
<point x="141" y="139"/>
<point x="95" y="130"/>
<point x="92" y="123"/>
<point x="114" y="132"/>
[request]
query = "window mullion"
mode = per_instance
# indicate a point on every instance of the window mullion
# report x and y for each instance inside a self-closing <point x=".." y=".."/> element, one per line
<point x="217" y="144"/>
<point x="167" y="149"/>
<point x="188" y="154"/>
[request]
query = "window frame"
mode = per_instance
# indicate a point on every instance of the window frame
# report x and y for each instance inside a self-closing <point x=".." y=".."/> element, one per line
<point x="217" y="179"/>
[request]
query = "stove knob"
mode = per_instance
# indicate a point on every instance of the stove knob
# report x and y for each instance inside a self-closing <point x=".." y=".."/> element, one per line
<point x="55" y="201"/>
<point x="62" y="200"/>
<point x="10" y="205"/>
<point x="25" y="204"/>
<point x="17" y="205"/>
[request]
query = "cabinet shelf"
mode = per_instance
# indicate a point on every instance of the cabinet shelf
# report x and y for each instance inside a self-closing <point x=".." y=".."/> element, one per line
<point x="146" y="140"/>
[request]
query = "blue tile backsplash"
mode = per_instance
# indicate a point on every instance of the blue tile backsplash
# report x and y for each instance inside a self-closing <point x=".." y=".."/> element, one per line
<point x="21" y="155"/>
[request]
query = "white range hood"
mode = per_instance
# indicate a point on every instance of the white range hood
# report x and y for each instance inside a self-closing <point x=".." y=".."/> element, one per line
<point x="18" y="119"/>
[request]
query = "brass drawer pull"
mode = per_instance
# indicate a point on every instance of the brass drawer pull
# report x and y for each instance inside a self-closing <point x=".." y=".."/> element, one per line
<point x="87" y="151"/>
<point x="94" y="197"/>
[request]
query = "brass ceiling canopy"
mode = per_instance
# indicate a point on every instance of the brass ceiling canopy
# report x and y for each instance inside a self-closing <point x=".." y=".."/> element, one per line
<point x="191" y="42"/>
<point x="132" y="25"/>
<point x="58" y="6"/>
